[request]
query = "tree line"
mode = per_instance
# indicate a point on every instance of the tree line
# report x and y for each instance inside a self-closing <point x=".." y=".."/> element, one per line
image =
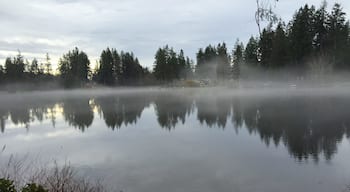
<point x="170" y="65"/>
<point x="315" y="40"/>
<point x="17" y="69"/>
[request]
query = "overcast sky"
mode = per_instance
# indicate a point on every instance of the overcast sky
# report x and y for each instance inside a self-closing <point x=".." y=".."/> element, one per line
<point x="37" y="27"/>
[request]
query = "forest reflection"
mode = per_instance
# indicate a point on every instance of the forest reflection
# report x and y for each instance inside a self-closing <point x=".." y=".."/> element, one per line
<point x="308" y="126"/>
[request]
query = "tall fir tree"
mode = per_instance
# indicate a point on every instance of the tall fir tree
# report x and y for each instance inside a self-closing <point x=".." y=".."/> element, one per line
<point x="279" y="54"/>
<point x="266" y="47"/>
<point x="338" y="36"/>
<point x="321" y="30"/>
<point x="301" y="36"/>
<point x="223" y="62"/>
<point x="74" y="68"/>
<point x="105" y="73"/>
<point x="237" y="59"/>
<point x="251" y="52"/>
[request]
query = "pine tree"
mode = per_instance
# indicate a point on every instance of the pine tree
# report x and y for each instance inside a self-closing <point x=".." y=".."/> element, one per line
<point x="338" y="36"/>
<point x="169" y="65"/>
<point x="160" y="65"/>
<point x="238" y="60"/>
<point x="172" y="65"/>
<point x="189" y="68"/>
<point x="181" y="71"/>
<point x="132" y="71"/>
<point x="321" y="30"/>
<point x="301" y="36"/>
<point x="74" y="68"/>
<point x="2" y="74"/>
<point x="279" y="55"/>
<point x="48" y="66"/>
<point x="265" y="45"/>
<point x="200" y="63"/>
<point x="251" y="52"/>
<point x="117" y="68"/>
<point x="14" y="69"/>
<point x="223" y="62"/>
<point x="105" y="73"/>
<point x="34" y="67"/>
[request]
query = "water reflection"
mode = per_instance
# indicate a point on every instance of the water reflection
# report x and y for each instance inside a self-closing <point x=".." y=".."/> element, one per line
<point x="125" y="109"/>
<point x="172" y="109"/>
<point x="78" y="113"/>
<point x="308" y="126"/>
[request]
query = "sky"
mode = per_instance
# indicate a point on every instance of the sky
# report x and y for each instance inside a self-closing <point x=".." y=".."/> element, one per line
<point x="38" y="27"/>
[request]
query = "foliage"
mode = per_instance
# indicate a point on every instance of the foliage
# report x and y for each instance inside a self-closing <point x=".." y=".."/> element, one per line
<point x="122" y="69"/>
<point x="170" y="65"/>
<point x="251" y="52"/>
<point x="74" y="68"/>
<point x="24" y="175"/>
<point x="213" y="62"/>
<point x="109" y="67"/>
<point x="310" y="34"/>
<point x="7" y="185"/>
<point x="237" y="59"/>
<point x="33" y="188"/>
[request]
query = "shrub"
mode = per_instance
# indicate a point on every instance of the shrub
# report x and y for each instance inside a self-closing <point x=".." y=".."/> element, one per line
<point x="33" y="188"/>
<point x="7" y="186"/>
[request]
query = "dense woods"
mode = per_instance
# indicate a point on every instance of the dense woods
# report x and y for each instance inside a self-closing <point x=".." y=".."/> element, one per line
<point x="315" y="41"/>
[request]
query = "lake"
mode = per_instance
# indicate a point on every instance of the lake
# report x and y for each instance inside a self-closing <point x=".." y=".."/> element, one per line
<point x="156" y="139"/>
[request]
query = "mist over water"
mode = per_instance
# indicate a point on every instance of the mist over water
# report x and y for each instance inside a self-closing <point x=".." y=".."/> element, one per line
<point x="188" y="139"/>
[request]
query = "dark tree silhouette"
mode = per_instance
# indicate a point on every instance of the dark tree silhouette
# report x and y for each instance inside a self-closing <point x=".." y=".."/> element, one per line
<point x="74" y="68"/>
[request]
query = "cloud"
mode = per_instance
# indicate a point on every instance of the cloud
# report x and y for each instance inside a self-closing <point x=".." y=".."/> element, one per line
<point x="56" y="26"/>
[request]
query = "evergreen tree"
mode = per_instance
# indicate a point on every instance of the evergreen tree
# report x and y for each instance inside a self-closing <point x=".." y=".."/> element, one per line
<point x="160" y="65"/>
<point x="34" y="70"/>
<point x="169" y="65"/>
<point x="189" y="68"/>
<point x="200" y="62"/>
<point x="338" y="36"/>
<point x="116" y="65"/>
<point x="34" y="67"/>
<point x="223" y="62"/>
<point x="321" y="30"/>
<point x="238" y="60"/>
<point x="132" y="71"/>
<point x="48" y="67"/>
<point x="105" y="74"/>
<point x="301" y="35"/>
<point x="181" y="69"/>
<point x="2" y="74"/>
<point x="74" y="68"/>
<point x="172" y="65"/>
<point x="265" y="45"/>
<point x="251" y="52"/>
<point x="279" y="55"/>
<point x="213" y="62"/>
<point x="14" y="69"/>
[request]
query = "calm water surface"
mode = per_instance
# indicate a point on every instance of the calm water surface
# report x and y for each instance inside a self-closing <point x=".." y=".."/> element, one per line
<point x="187" y="139"/>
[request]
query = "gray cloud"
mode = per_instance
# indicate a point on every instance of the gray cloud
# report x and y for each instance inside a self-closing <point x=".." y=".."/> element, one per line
<point x="56" y="26"/>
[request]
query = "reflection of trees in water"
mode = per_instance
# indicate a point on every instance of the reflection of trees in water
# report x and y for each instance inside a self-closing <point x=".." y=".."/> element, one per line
<point x="3" y="118"/>
<point x="121" y="109"/>
<point x="78" y="113"/>
<point x="170" y="109"/>
<point x="24" y="113"/>
<point x="307" y="126"/>
<point x="213" y="111"/>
